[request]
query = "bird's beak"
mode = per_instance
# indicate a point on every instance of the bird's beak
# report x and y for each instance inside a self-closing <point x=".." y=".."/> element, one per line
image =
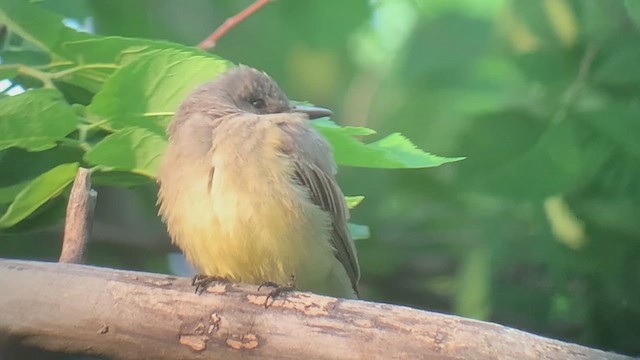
<point x="312" y="111"/>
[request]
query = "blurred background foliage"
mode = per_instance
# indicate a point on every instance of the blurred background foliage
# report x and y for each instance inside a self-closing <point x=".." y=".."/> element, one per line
<point x="538" y="229"/>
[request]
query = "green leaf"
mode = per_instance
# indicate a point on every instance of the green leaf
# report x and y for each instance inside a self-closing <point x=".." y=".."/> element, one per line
<point x="7" y="72"/>
<point x="350" y="130"/>
<point x="392" y="152"/>
<point x="99" y="57"/>
<point x="22" y="166"/>
<point x="120" y="50"/>
<point x="24" y="57"/>
<point x="601" y="19"/>
<point x="633" y="9"/>
<point x="119" y="178"/>
<point x="619" y="123"/>
<point x="358" y="232"/>
<point x="38" y="26"/>
<point x="38" y="192"/>
<point x="8" y="193"/>
<point x="35" y="120"/>
<point x="133" y="149"/>
<point x="79" y="58"/>
<point x="620" y="66"/>
<point x="403" y="151"/>
<point x="154" y="86"/>
<point x="353" y="201"/>
<point x="495" y="139"/>
<point x="460" y="40"/>
<point x="50" y="214"/>
<point x="535" y="66"/>
<point x="535" y="18"/>
<point x="566" y="154"/>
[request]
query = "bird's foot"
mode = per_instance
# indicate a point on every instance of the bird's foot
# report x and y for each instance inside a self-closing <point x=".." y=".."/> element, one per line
<point x="278" y="289"/>
<point x="202" y="282"/>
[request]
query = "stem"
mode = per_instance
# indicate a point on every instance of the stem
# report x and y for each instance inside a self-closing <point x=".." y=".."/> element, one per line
<point x="45" y="77"/>
<point x="98" y="168"/>
<point x="576" y="86"/>
<point x="93" y="125"/>
<point x="210" y="41"/>
<point x="61" y="73"/>
<point x="75" y="143"/>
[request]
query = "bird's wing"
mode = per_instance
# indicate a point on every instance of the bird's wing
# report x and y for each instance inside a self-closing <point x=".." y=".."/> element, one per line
<point x="324" y="192"/>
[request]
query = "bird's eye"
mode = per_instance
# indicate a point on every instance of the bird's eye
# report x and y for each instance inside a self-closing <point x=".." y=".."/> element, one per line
<point x="258" y="103"/>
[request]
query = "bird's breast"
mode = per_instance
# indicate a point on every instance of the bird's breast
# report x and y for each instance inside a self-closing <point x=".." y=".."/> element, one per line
<point x="239" y="213"/>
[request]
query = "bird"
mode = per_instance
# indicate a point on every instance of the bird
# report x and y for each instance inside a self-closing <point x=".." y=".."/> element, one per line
<point x="248" y="190"/>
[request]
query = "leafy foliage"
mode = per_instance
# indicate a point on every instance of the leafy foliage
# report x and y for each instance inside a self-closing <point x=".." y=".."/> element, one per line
<point x="392" y="152"/>
<point x="131" y="149"/>
<point x="154" y="85"/>
<point x="134" y="87"/>
<point x="35" y="120"/>
<point x="41" y="189"/>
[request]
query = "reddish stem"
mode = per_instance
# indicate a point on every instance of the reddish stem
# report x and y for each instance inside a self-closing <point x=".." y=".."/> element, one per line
<point x="210" y="41"/>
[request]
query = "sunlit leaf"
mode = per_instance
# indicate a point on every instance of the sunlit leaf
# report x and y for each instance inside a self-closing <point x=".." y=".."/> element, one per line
<point x="350" y="130"/>
<point x="38" y="26"/>
<point x="38" y="192"/>
<point x="50" y="214"/>
<point x="133" y="149"/>
<point x="392" y="152"/>
<point x="78" y="58"/>
<point x="398" y="148"/>
<point x="99" y="57"/>
<point x="35" y="120"/>
<point x="353" y="201"/>
<point x="154" y="86"/>
<point x="8" y="193"/>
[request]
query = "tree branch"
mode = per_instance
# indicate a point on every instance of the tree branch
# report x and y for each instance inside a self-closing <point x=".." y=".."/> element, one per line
<point x="210" y="41"/>
<point x="134" y="315"/>
<point x="79" y="219"/>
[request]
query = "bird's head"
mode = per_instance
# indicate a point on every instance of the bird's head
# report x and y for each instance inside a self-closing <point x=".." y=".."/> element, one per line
<point x="244" y="89"/>
<point x="249" y="90"/>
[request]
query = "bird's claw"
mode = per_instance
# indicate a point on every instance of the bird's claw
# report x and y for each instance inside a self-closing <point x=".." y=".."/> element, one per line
<point x="202" y="282"/>
<point x="278" y="289"/>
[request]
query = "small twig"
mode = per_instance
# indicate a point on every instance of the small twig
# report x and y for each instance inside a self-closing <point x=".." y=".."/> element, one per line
<point x="583" y="72"/>
<point x="43" y="76"/>
<point x="578" y="83"/>
<point x="210" y="41"/>
<point x="79" y="220"/>
<point x="75" y="143"/>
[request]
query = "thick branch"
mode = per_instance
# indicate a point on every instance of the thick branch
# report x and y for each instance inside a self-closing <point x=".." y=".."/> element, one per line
<point x="133" y="315"/>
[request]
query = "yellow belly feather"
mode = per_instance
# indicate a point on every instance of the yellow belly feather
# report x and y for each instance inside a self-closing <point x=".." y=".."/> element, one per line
<point x="253" y="223"/>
